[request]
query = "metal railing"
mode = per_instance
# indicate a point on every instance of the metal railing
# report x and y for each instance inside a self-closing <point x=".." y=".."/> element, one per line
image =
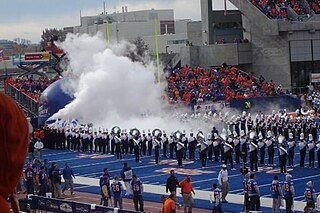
<point x="28" y="104"/>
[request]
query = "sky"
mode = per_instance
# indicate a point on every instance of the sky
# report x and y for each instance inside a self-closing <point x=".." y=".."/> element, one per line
<point x="27" y="18"/>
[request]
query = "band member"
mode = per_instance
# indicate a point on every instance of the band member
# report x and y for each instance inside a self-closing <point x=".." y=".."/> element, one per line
<point x="180" y="150"/>
<point x="210" y="146"/>
<point x="253" y="152"/>
<point x="204" y="150"/>
<point x="171" y="145"/>
<point x="228" y="148"/>
<point x="117" y="141"/>
<point x="192" y="146"/>
<point x="216" y="147"/>
<point x="143" y="143"/>
<point x="165" y="142"/>
<point x="236" y="143"/>
<point x="270" y="146"/>
<point x="149" y="142"/>
<point x="130" y="142"/>
<point x="136" y="146"/>
<point x="282" y="157"/>
<point x="291" y="145"/>
<point x="184" y="140"/>
<point x="262" y="149"/>
<point x="243" y="144"/>
<point x="156" y="144"/>
<point x="311" y="147"/>
<point x="303" y="149"/>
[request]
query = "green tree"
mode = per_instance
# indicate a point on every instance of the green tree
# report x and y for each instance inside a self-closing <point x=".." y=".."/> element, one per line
<point x="140" y="52"/>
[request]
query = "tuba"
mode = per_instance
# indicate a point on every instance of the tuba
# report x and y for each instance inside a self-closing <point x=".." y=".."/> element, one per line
<point x="200" y="136"/>
<point x="304" y="111"/>
<point x="252" y="134"/>
<point x="156" y="133"/>
<point x="223" y="136"/>
<point x="281" y="139"/>
<point x="115" y="130"/>
<point x="135" y="132"/>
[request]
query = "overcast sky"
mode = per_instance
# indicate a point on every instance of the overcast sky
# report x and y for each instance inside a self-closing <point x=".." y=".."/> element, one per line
<point x="27" y="18"/>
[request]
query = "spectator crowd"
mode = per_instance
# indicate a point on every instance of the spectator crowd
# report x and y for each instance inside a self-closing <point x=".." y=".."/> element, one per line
<point x="278" y="9"/>
<point x="195" y="85"/>
<point x="31" y="86"/>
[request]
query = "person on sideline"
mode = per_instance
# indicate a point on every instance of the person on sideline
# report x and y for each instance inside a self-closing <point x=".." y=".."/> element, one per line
<point x="224" y="182"/>
<point x="186" y="189"/>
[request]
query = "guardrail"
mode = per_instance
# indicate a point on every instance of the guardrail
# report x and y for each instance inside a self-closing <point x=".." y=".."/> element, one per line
<point x="26" y="102"/>
<point x="63" y="206"/>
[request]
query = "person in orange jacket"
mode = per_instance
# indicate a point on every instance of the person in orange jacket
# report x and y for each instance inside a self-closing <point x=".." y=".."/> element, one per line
<point x="13" y="121"/>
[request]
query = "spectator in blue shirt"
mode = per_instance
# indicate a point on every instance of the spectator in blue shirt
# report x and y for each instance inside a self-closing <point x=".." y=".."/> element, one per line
<point x="68" y="177"/>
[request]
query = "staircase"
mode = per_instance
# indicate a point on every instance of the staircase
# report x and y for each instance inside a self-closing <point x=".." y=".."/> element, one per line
<point x="256" y="17"/>
<point x="29" y="105"/>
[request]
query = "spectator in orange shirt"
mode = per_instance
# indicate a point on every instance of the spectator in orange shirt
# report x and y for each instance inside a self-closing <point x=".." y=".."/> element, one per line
<point x="186" y="189"/>
<point x="169" y="205"/>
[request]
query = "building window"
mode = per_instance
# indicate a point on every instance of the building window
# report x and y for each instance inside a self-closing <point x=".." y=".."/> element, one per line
<point x="172" y="42"/>
<point x="167" y="27"/>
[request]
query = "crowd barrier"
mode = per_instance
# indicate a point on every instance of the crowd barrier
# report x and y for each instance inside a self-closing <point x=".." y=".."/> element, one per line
<point x="66" y="206"/>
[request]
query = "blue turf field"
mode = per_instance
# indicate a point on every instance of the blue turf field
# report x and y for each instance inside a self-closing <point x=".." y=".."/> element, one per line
<point x="91" y="165"/>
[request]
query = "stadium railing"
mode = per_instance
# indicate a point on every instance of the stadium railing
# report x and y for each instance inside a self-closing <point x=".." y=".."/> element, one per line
<point x="62" y="206"/>
<point x="26" y="102"/>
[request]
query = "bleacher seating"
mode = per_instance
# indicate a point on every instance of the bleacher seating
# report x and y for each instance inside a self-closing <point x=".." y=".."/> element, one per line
<point x="196" y="85"/>
<point x="278" y="9"/>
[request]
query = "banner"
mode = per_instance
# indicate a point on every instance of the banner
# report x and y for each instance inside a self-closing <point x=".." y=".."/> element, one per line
<point x="31" y="58"/>
<point x="52" y="205"/>
<point x="81" y="208"/>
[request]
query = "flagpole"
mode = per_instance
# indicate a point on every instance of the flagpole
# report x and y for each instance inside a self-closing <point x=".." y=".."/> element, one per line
<point x="155" y="22"/>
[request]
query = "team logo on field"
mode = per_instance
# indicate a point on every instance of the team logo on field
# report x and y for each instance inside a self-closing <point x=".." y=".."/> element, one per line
<point x="185" y="171"/>
<point x="170" y="162"/>
<point x="93" y="156"/>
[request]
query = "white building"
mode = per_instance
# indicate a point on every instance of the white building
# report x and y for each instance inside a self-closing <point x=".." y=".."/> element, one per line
<point x="172" y="34"/>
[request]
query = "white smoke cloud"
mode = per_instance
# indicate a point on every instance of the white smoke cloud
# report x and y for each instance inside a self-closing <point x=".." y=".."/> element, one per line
<point x="112" y="90"/>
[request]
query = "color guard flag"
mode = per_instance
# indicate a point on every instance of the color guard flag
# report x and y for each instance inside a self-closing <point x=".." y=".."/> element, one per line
<point x="1" y="55"/>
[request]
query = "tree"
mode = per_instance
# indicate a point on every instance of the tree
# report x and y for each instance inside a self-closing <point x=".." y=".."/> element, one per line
<point x="140" y="52"/>
<point x="53" y="34"/>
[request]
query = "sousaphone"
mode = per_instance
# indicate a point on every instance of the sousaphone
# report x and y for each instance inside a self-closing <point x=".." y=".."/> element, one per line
<point x="157" y="133"/>
<point x="115" y="130"/>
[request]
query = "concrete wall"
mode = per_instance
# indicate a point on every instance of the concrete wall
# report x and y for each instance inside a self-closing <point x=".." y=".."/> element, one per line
<point x="257" y="18"/>
<point x="215" y="55"/>
<point x="195" y="33"/>
<point x="270" y="48"/>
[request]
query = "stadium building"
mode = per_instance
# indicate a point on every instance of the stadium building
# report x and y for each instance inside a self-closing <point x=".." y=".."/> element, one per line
<point x="283" y="49"/>
<point x="172" y="34"/>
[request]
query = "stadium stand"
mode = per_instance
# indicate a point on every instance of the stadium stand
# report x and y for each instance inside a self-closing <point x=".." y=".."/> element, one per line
<point x="197" y="85"/>
<point x="278" y="9"/>
<point x="30" y="86"/>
